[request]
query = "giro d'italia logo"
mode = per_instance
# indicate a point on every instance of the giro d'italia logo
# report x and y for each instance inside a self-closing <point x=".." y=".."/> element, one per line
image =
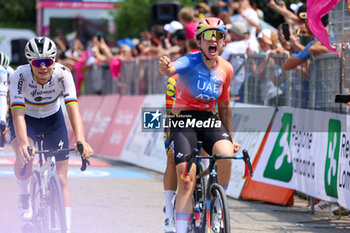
<point x="331" y="167"/>
<point x="280" y="166"/>
<point x="152" y="119"/>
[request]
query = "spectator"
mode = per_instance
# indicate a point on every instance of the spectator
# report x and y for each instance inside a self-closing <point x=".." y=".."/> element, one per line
<point x="186" y="18"/>
<point x="312" y="48"/>
<point x="239" y="45"/>
<point x="249" y="16"/>
<point x="170" y="29"/>
<point x="289" y="16"/>
<point x="269" y="88"/>
<point x="180" y="48"/>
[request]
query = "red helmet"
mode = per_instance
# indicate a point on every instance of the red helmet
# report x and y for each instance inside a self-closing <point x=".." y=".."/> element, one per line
<point x="210" y="23"/>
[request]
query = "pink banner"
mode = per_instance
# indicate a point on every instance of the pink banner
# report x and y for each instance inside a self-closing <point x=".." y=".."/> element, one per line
<point x="88" y="106"/>
<point x="119" y="129"/>
<point x="102" y="120"/>
<point x="316" y="9"/>
<point x="78" y="5"/>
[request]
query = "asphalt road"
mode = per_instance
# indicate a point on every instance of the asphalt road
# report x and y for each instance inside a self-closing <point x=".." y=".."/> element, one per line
<point x="119" y="197"/>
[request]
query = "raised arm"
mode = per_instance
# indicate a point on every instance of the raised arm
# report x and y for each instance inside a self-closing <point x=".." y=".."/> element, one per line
<point x="288" y="16"/>
<point x="165" y="66"/>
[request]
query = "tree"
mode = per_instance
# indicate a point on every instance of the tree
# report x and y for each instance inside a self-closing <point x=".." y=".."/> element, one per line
<point x="18" y="14"/>
<point x="134" y="16"/>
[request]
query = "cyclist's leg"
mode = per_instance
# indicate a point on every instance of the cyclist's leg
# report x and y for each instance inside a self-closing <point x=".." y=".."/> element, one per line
<point x="24" y="206"/>
<point x="170" y="185"/>
<point x="184" y="142"/>
<point x="218" y="140"/>
<point x="14" y="143"/>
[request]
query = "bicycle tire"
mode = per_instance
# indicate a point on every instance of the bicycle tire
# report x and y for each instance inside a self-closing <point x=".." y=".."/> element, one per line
<point x="199" y="228"/>
<point x="217" y="192"/>
<point x="57" y="216"/>
<point x="36" y="195"/>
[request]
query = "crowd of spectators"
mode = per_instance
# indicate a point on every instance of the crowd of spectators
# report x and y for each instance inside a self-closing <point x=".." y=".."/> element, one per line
<point x="248" y="33"/>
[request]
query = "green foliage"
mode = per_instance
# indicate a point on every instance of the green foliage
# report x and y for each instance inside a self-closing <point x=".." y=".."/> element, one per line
<point x="18" y="14"/>
<point x="134" y="16"/>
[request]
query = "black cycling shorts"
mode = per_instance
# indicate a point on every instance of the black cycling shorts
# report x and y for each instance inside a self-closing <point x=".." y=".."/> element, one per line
<point x="54" y="129"/>
<point x="196" y="126"/>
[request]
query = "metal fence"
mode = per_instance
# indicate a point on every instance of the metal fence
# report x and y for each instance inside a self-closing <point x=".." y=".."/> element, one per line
<point x="263" y="80"/>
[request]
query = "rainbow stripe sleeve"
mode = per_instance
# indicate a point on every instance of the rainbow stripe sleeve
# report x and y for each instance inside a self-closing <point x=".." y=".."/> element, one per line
<point x="70" y="102"/>
<point x="18" y="105"/>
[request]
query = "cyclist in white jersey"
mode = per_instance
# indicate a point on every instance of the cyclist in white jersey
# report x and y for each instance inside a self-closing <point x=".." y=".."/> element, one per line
<point x="5" y="72"/>
<point x="35" y="89"/>
<point x="3" y="96"/>
<point x="5" y="62"/>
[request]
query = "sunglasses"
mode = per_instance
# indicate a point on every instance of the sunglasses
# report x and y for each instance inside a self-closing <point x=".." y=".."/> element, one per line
<point x="303" y="15"/>
<point x="208" y="34"/>
<point x="39" y="62"/>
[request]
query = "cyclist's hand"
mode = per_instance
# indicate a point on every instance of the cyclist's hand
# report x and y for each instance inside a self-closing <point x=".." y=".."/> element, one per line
<point x="236" y="146"/>
<point x="165" y="66"/>
<point x="25" y="157"/>
<point x="6" y="131"/>
<point x="87" y="152"/>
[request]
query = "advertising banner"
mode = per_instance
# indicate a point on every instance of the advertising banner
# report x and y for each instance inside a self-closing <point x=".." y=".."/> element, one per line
<point x="123" y="119"/>
<point x="250" y="123"/>
<point x="308" y="151"/>
<point x="88" y="106"/>
<point x="147" y="146"/>
<point x="102" y="120"/>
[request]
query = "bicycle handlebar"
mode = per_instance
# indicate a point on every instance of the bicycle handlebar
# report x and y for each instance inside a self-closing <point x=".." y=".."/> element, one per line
<point x="84" y="162"/>
<point x="195" y="155"/>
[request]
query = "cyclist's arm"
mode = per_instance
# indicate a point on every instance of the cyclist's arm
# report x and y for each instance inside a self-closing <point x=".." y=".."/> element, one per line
<point x="70" y="98"/>
<point x="168" y="68"/>
<point x="18" y="112"/>
<point x="3" y="95"/>
<point x="225" y="114"/>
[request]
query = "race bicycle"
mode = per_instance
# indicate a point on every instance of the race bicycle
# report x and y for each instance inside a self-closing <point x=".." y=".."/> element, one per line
<point x="209" y="197"/>
<point x="45" y="191"/>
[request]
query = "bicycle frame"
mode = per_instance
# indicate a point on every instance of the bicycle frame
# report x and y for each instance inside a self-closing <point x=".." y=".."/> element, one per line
<point x="46" y="193"/>
<point x="194" y="157"/>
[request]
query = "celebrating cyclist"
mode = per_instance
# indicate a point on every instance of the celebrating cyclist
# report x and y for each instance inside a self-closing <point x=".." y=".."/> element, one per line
<point x="203" y="79"/>
<point x="35" y="90"/>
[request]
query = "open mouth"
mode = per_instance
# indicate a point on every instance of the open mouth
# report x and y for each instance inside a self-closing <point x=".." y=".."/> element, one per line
<point x="212" y="49"/>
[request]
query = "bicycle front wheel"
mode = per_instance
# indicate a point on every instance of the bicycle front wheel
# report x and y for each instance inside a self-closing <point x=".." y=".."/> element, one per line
<point x="219" y="212"/>
<point x="36" y="194"/>
<point x="199" y="196"/>
<point x="57" y="216"/>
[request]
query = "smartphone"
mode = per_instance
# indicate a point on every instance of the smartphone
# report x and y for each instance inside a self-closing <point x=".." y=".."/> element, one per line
<point x="342" y="98"/>
<point x="285" y="29"/>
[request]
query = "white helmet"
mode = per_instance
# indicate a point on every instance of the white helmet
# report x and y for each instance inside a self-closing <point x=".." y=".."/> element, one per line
<point x="4" y="60"/>
<point x="40" y="47"/>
